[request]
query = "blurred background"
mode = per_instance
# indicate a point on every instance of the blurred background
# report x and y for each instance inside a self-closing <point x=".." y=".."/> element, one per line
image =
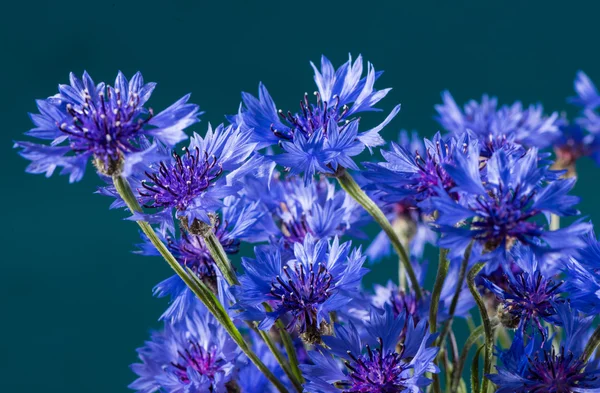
<point x="75" y="301"/>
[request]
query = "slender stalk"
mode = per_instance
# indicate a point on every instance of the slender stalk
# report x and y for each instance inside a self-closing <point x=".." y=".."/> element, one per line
<point x="198" y="287"/>
<point x="220" y="257"/>
<point x="280" y="359"/>
<point x="349" y="185"/>
<point x="461" y="278"/>
<point x="456" y="375"/>
<point x="485" y="319"/>
<point x="444" y="265"/>
<point x="591" y="345"/>
<point x="291" y="369"/>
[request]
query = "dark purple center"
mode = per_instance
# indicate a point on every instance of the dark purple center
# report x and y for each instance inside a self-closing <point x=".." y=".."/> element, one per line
<point x="177" y="183"/>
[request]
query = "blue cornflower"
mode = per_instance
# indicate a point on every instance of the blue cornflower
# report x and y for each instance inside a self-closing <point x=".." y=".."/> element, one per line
<point x="298" y="209"/>
<point x="538" y="367"/>
<point x="581" y="274"/>
<point x="102" y="122"/>
<point x="238" y="220"/>
<point x="383" y="362"/>
<point x="320" y="278"/>
<point x="412" y="178"/>
<point x="408" y="219"/>
<point x="193" y="355"/>
<point x="193" y="183"/>
<point x="323" y="135"/>
<point x="582" y="137"/>
<point x="508" y="206"/>
<point x="504" y="127"/>
<point x="403" y="301"/>
<point x="528" y="296"/>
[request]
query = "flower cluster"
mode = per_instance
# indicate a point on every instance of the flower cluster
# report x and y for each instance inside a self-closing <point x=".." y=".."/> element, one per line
<point x="296" y="315"/>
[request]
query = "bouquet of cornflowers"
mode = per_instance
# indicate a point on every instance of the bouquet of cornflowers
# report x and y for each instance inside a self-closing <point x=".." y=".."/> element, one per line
<point x="487" y="191"/>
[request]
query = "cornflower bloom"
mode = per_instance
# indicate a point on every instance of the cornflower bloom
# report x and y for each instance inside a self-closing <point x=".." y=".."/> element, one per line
<point x="320" y="278"/>
<point x="324" y="135"/>
<point x="102" y="122"/>
<point x="373" y="364"/>
<point x="507" y="127"/>
<point x="508" y="206"/>
<point x="539" y="367"/>
<point x="193" y="183"/>
<point x="193" y="355"/>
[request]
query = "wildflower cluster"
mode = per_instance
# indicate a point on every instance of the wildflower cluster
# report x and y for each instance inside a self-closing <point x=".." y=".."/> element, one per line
<point x="488" y="190"/>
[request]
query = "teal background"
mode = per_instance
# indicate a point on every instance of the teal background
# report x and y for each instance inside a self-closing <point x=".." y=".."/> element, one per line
<point x="75" y="302"/>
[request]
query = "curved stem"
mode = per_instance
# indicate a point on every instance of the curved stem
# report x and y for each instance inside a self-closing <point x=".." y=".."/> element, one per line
<point x="196" y="286"/>
<point x="280" y="359"/>
<point x="485" y="319"/>
<point x="460" y="365"/>
<point x="444" y="265"/>
<point x="215" y="248"/>
<point x="353" y="189"/>
<point x="461" y="278"/>
<point x="591" y="345"/>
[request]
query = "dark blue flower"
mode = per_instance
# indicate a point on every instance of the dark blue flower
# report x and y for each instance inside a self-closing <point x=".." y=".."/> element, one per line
<point x="498" y="127"/>
<point x="193" y="355"/>
<point x="323" y="135"/>
<point x="374" y="364"/>
<point x="413" y="177"/>
<point x="528" y="296"/>
<point x="298" y="209"/>
<point x="509" y="206"/>
<point x="582" y="137"/>
<point x="193" y="183"/>
<point x="582" y="279"/>
<point x="319" y="279"/>
<point x="405" y="301"/>
<point x="539" y="367"/>
<point x="104" y="122"/>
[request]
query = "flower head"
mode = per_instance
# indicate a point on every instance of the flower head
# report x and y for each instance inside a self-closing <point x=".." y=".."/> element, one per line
<point x="413" y="177"/>
<point x="193" y="355"/>
<point x="324" y="134"/>
<point x="320" y="278"/>
<point x="101" y="121"/>
<point x="529" y="296"/>
<point x="505" y="128"/>
<point x="298" y="209"/>
<point x="580" y="138"/>
<point x="508" y="206"/>
<point x="405" y="301"/>
<point x="537" y="366"/>
<point x="372" y="364"/>
<point x="193" y="183"/>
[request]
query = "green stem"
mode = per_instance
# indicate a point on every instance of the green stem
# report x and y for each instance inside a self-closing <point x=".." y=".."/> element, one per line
<point x="280" y="359"/>
<point x="198" y="287"/>
<point x="215" y="248"/>
<point x="461" y="278"/>
<point x="442" y="272"/>
<point x="485" y="319"/>
<point x="349" y="185"/>
<point x="292" y="370"/>
<point x="591" y="345"/>
<point x="288" y="344"/>
<point x="460" y="365"/>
